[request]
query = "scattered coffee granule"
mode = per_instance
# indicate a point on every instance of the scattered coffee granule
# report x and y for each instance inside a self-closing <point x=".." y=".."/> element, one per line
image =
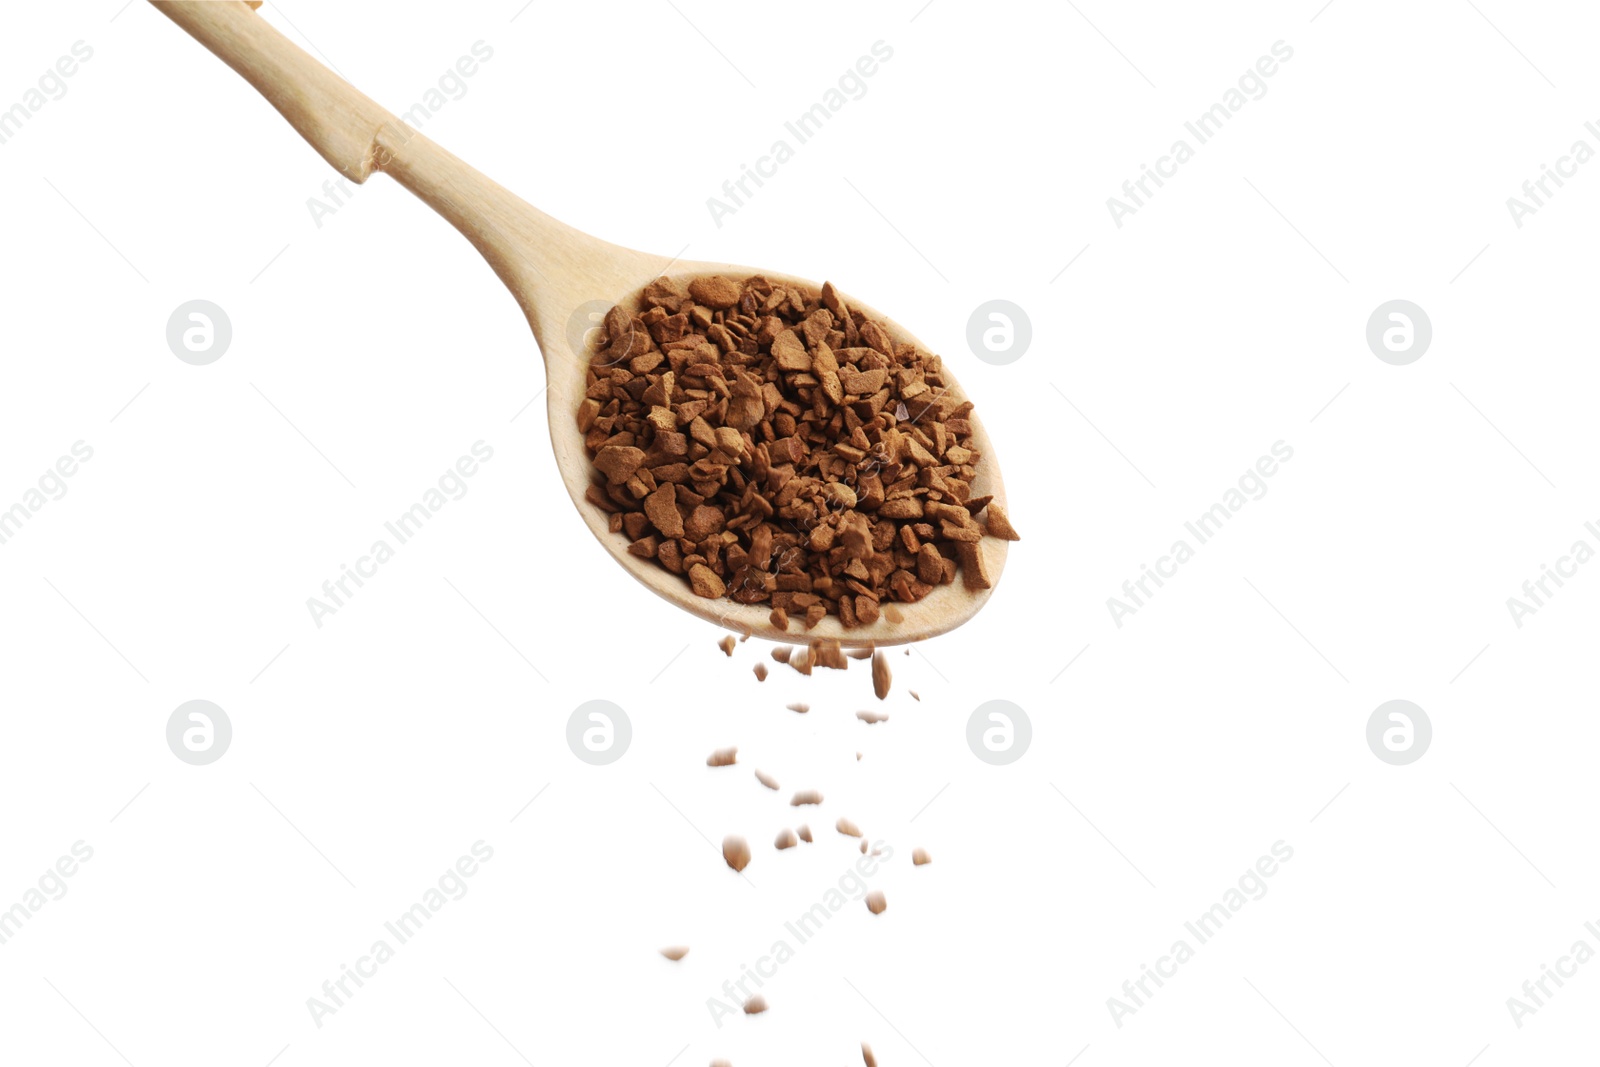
<point x="781" y="653"/>
<point x="828" y="654"/>
<point x="785" y="839"/>
<point x="723" y="757"/>
<point x="858" y="757"/>
<point x="801" y="708"/>
<point x="859" y="653"/>
<point x="846" y="827"/>
<point x="736" y="852"/>
<point x="766" y="779"/>
<point x="914" y="696"/>
<point x="920" y="856"/>
<point x="875" y="902"/>
<point x="880" y="675"/>
<point x="675" y="952"/>
<point x="726" y="644"/>
<point x="872" y="718"/>
<point x="779" y="619"/>
<point x="867" y="1056"/>
<point x="755" y="1005"/>
<point x="801" y="661"/>
<point x="781" y="448"/>
<point x="805" y="834"/>
<point x="806" y="796"/>
<point x="760" y="671"/>
<point x="863" y="846"/>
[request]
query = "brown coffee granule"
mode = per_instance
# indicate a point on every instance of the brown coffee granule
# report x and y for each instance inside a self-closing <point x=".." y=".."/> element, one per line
<point x="801" y="708"/>
<point x="875" y="902"/>
<point x="867" y="1056"/>
<point x="863" y="846"/>
<point x="858" y="757"/>
<point x="920" y="856"/>
<point x="872" y="718"/>
<point x="846" y="827"/>
<point x="779" y="618"/>
<point x="914" y="696"/>
<point x="859" y="653"/>
<point x="736" y="852"/>
<point x="755" y="1005"/>
<point x="880" y="675"/>
<point x="998" y="524"/>
<point x="782" y="653"/>
<point x="781" y="448"/>
<point x="766" y="779"/>
<point x="723" y="757"/>
<point x="726" y="644"/>
<point x="675" y="952"/>
<point x="805" y="833"/>
<point x="828" y="654"/>
<point x="760" y="670"/>
<point x="785" y="839"/>
<point x="805" y="796"/>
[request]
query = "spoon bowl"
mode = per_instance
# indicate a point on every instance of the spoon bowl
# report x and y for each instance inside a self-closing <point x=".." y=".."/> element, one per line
<point x="564" y="280"/>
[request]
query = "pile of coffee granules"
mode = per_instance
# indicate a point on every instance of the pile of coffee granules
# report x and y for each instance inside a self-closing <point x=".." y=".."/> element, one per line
<point x="775" y="446"/>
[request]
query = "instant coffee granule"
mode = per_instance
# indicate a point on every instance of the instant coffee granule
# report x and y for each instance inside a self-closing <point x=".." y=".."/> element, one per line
<point x="785" y="839"/>
<point x="760" y="670"/>
<point x="723" y="757"/>
<point x="866" y="1055"/>
<point x="872" y="718"/>
<point x="846" y="827"/>
<point x="775" y="446"/>
<point x="805" y="833"/>
<point x="675" y="952"/>
<point x="920" y="856"/>
<point x="736" y="852"/>
<point x="755" y="1005"/>
<point x="880" y="675"/>
<point x="804" y="797"/>
<point x="875" y="902"/>
<point x="766" y="779"/>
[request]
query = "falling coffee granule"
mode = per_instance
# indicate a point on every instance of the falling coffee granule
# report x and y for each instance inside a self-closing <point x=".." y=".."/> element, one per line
<point x="781" y="653"/>
<point x="766" y="779"/>
<point x="914" y="696"/>
<point x="726" y="644"/>
<point x="777" y="446"/>
<point x="755" y="1005"/>
<point x="880" y="675"/>
<point x="805" y="834"/>
<point x="675" y="952"/>
<point x="806" y="796"/>
<point x="736" y="852"/>
<point x="723" y="757"/>
<point x="859" y="653"/>
<point x="920" y="856"/>
<point x="863" y="846"/>
<point x="872" y="718"/>
<point x="800" y="708"/>
<point x="845" y="826"/>
<point x="760" y="671"/>
<point x="828" y="654"/>
<point x="785" y="839"/>
<point x="875" y="902"/>
<point x="866" y="1055"/>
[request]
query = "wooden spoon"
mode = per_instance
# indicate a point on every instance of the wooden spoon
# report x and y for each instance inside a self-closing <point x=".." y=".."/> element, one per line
<point x="563" y="279"/>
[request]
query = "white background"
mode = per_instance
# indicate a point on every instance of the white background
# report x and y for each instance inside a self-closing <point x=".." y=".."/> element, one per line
<point x="1226" y="715"/>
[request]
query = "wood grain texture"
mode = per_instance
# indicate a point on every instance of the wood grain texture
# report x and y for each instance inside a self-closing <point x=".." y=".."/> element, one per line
<point x="553" y="271"/>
